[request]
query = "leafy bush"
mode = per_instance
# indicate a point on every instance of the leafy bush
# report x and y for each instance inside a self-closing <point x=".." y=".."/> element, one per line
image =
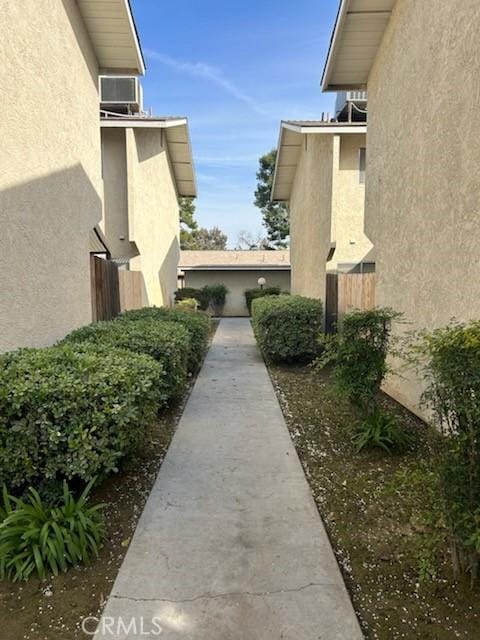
<point x="253" y="294"/>
<point x="361" y="354"/>
<point x="187" y="304"/>
<point x="214" y="295"/>
<point x="197" y="325"/>
<point x="188" y="293"/>
<point x="287" y="327"/>
<point x="211" y="297"/>
<point x="73" y="413"/>
<point x="450" y="360"/>
<point x="380" y="431"/>
<point x="41" y="539"/>
<point x="166" y="342"/>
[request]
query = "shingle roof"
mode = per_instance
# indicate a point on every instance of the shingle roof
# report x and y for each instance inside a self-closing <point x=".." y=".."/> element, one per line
<point x="234" y="259"/>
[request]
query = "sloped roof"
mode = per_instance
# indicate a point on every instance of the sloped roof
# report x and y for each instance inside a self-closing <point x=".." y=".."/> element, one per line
<point x="234" y="260"/>
<point x="356" y="37"/>
<point x="113" y="33"/>
<point x="290" y="143"/>
<point x="178" y="144"/>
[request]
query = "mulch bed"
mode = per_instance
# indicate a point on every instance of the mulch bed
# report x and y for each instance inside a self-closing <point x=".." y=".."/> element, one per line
<point x="373" y="520"/>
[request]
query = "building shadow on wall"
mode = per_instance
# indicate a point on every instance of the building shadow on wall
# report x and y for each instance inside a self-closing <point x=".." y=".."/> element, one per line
<point x="167" y="273"/>
<point x="44" y="256"/>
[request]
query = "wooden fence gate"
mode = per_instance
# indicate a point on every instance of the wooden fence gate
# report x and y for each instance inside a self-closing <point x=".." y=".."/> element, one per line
<point x="346" y="292"/>
<point x="131" y="288"/>
<point x="105" y="289"/>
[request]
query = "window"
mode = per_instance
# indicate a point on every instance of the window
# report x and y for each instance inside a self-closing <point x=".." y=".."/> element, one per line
<point x="362" y="164"/>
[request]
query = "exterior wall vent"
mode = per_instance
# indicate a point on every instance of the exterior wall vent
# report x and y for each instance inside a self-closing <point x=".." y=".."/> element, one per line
<point x="120" y="94"/>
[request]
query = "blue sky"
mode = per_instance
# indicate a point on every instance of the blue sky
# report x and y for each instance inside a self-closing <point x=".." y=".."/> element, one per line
<point x="235" y="68"/>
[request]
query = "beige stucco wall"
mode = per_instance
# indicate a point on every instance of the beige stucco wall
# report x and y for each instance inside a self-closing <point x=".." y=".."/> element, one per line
<point x="326" y="205"/>
<point x="50" y="184"/>
<point x="348" y="204"/>
<point x="237" y="282"/>
<point x="423" y="176"/>
<point x="310" y="216"/>
<point x="141" y="206"/>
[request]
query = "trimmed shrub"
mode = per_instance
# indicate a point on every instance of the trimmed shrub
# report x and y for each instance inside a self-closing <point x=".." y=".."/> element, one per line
<point x="189" y="293"/>
<point x="197" y="325"/>
<point x="187" y="304"/>
<point x="287" y="327"/>
<point x="73" y="413"/>
<point x="214" y="295"/>
<point x="166" y="342"/>
<point x="253" y="294"/>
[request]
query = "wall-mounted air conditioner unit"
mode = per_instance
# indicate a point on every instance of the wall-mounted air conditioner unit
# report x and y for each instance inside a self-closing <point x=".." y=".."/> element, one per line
<point x="122" y="94"/>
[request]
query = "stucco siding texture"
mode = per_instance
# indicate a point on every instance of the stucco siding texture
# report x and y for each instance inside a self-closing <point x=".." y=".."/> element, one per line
<point x="50" y="179"/>
<point x="237" y="283"/>
<point x="154" y="223"/>
<point x="423" y="176"/>
<point x="348" y="203"/>
<point x="311" y="216"/>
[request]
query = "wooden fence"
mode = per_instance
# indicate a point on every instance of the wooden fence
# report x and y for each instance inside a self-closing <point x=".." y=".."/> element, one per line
<point x="105" y="289"/>
<point x="131" y="288"/>
<point x="346" y="292"/>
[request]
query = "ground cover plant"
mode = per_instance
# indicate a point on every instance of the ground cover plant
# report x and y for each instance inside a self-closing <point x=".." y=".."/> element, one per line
<point x="287" y="328"/>
<point x="42" y="539"/>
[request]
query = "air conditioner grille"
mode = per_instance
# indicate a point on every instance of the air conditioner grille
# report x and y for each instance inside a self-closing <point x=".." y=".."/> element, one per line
<point x="121" y="90"/>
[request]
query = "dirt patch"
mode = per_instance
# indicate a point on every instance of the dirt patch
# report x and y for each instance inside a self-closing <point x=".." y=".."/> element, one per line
<point x="54" y="609"/>
<point x="374" y="529"/>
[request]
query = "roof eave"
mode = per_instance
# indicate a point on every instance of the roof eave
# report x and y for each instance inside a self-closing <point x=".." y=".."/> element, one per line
<point x="384" y="7"/>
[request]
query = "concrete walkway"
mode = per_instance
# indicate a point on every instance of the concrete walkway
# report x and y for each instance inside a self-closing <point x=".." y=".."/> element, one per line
<point x="230" y="545"/>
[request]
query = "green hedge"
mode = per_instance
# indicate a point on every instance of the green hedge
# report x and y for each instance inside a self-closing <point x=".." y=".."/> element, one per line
<point x="68" y="412"/>
<point x="253" y="294"/>
<point x="287" y="327"/>
<point x="211" y="297"/>
<point x="166" y="342"/>
<point x="197" y="325"/>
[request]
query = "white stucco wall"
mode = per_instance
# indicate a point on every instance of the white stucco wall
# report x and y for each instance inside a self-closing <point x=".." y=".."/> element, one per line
<point x="50" y="183"/>
<point x="423" y="176"/>
<point x="237" y="283"/>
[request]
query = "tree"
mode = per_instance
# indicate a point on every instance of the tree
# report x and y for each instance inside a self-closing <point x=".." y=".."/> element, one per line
<point x="275" y="214"/>
<point x="188" y="224"/>
<point x="247" y="241"/>
<point x="195" y="238"/>
<point x="213" y="238"/>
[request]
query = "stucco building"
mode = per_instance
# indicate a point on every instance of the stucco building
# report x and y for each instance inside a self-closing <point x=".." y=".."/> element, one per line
<point x="419" y="61"/>
<point x="237" y="270"/>
<point x="320" y="172"/>
<point x="50" y="175"/>
<point x="146" y="166"/>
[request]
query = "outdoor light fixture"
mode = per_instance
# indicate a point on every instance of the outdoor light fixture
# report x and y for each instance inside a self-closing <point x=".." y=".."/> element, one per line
<point x="261" y="282"/>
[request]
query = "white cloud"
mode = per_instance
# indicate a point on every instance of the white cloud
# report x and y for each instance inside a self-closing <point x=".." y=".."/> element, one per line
<point x="208" y="72"/>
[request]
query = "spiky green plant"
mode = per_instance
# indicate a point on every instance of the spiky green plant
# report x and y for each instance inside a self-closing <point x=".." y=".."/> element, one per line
<point x="380" y="431"/>
<point x="43" y="539"/>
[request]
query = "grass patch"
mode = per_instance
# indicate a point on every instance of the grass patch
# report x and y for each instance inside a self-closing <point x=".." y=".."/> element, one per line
<point x="378" y="513"/>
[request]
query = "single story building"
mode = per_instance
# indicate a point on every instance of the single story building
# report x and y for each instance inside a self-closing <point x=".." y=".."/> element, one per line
<point x="237" y="270"/>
